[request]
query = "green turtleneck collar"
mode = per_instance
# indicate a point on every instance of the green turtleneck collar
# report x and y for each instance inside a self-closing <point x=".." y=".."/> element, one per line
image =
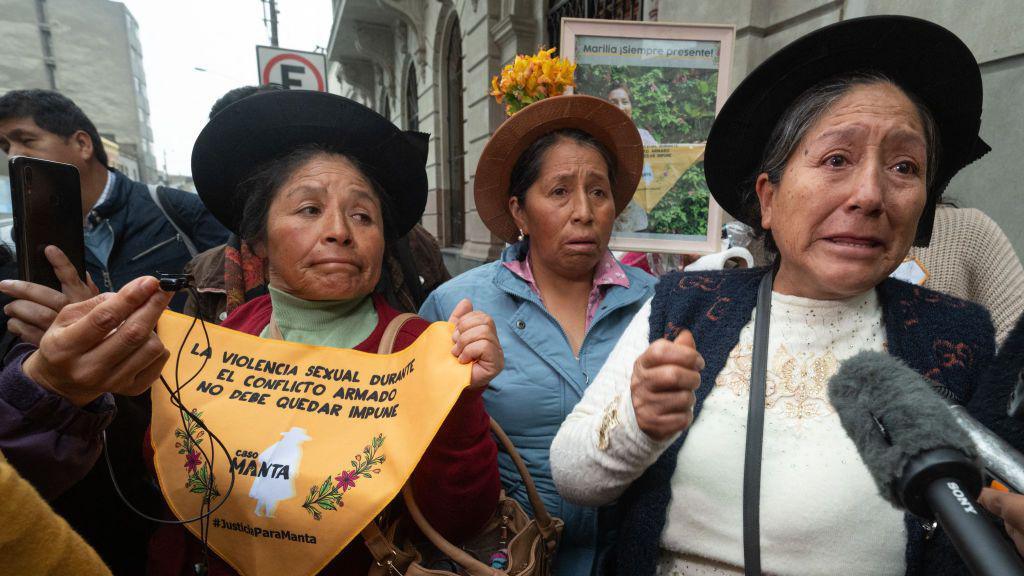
<point x="334" y="323"/>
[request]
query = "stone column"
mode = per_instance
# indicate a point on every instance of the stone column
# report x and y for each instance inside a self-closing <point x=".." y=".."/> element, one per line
<point x="480" y="62"/>
<point x="491" y="40"/>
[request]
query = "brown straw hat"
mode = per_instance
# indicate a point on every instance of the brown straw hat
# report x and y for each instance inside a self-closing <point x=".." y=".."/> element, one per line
<point x="602" y="120"/>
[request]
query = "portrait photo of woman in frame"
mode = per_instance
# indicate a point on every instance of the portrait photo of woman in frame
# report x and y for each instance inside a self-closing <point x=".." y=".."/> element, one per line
<point x="669" y="79"/>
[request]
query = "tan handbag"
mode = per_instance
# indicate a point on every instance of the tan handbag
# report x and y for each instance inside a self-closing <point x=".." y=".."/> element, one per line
<point x="529" y="543"/>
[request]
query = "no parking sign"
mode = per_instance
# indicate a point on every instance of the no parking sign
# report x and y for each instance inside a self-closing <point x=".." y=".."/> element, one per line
<point x="293" y="69"/>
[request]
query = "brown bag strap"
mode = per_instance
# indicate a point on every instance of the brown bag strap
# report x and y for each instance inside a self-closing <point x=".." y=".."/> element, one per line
<point x="389" y="558"/>
<point x="273" y="330"/>
<point x="382" y="547"/>
<point x="473" y="566"/>
<point x="387" y="340"/>
<point x="540" y="512"/>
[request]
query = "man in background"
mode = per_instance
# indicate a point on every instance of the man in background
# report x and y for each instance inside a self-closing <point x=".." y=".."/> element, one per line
<point x="130" y="230"/>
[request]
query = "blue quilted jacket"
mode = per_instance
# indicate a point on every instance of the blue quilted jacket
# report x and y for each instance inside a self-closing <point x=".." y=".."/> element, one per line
<point x="541" y="383"/>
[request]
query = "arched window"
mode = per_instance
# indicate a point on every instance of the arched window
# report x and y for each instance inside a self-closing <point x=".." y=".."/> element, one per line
<point x="412" y="100"/>
<point x="454" y="203"/>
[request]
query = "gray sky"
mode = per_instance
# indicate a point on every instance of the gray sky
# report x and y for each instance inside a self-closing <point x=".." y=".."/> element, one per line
<point x="220" y="36"/>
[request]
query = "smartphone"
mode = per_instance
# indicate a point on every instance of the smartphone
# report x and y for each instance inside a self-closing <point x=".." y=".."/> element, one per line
<point x="47" y="201"/>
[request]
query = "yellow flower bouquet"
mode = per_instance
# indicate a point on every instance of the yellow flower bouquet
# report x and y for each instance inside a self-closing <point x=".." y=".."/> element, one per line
<point x="532" y="78"/>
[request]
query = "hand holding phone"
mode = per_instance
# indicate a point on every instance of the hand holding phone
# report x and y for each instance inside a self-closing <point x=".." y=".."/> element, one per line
<point x="36" y="306"/>
<point x="47" y="201"/>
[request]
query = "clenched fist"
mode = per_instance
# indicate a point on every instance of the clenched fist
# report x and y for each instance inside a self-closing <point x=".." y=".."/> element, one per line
<point x="665" y="378"/>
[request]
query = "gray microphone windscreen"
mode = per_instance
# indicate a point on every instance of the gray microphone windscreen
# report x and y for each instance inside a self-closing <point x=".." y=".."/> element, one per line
<point x="876" y="386"/>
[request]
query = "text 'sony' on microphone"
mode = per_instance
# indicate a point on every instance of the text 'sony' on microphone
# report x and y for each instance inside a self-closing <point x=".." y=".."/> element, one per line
<point x="920" y="459"/>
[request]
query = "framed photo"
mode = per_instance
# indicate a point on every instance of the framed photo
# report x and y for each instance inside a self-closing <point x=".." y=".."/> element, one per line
<point x="671" y="79"/>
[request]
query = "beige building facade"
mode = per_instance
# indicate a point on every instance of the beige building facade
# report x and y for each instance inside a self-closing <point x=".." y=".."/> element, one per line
<point x="992" y="29"/>
<point x="88" y="50"/>
<point x="427" y="66"/>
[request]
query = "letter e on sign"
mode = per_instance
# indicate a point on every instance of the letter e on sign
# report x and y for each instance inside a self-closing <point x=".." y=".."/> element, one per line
<point x="292" y="69"/>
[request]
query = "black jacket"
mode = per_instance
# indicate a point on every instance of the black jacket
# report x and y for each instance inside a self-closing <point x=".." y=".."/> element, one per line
<point x="145" y="242"/>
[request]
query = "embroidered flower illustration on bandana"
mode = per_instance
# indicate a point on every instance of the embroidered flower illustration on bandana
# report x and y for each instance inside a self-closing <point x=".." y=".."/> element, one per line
<point x="190" y="438"/>
<point x="329" y="494"/>
<point x="192" y="461"/>
<point x="346" y="480"/>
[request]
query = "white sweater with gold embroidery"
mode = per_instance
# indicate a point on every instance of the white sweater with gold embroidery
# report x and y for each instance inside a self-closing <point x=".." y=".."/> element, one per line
<point x="820" y="510"/>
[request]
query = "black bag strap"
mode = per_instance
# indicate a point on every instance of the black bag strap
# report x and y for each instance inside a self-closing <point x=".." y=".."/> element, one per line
<point x="755" y="431"/>
<point x="170" y="212"/>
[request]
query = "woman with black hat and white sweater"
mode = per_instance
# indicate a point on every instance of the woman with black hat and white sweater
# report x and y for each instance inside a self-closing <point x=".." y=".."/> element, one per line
<point x="837" y="148"/>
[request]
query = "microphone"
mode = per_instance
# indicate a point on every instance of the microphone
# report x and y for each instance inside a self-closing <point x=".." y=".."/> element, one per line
<point x="920" y="459"/>
<point x="1002" y="462"/>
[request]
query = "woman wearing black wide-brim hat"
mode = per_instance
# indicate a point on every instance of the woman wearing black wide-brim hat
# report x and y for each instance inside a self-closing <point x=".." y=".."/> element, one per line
<point x="318" y="184"/>
<point x="838" y="147"/>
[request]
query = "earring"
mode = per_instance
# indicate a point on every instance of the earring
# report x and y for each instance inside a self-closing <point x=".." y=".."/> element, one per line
<point x="521" y="235"/>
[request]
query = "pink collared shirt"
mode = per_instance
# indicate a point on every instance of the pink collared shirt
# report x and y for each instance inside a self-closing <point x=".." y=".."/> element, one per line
<point x="608" y="273"/>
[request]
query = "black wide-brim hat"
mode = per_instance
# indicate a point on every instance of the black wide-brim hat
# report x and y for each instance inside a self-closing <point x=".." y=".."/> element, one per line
<point x="922" y="57"/>
<point x="268" y="125"/>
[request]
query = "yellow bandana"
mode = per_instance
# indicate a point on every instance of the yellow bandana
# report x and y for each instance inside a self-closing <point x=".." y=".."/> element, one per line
<point x="663" y="166"/>
<point x="320" y="439"/>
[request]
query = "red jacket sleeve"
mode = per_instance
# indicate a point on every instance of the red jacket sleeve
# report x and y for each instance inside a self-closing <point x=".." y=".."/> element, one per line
<point x="456" y="482"/>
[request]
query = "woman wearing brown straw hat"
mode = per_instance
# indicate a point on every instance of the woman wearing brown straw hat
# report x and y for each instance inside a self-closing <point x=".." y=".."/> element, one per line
<point x="550" y="182"/>
<point x="837" y="147"/>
